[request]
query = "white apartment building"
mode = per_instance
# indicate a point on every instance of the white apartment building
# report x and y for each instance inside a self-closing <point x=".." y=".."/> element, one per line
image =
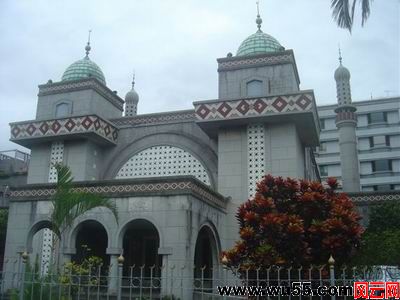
<point x="378" y="133"/>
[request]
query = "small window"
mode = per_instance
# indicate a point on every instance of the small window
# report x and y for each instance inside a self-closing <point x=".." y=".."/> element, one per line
<point x="377" y="117"/>
<point x="322" y="147"/>
<point x="62" y="110"/>
<point x="323" y="170"/>
<point x="254" y="88"/>
<point x="379" y="141"/>
<point x="384" y="187"/>
<point x="382" y="165"/>
<point x="322" y="123"/>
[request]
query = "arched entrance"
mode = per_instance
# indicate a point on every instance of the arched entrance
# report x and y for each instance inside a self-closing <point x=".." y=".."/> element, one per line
<point x="140" y="243"/>
<point x="91" y="240"/>
<point x="205" y="258"/>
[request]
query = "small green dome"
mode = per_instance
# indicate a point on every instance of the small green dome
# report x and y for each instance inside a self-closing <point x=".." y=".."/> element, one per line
<point x="259" y="43"/>
<point x="83" y="68"/>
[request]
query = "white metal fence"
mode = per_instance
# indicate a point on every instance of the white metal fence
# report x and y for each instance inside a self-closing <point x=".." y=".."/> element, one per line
<point x="172" y="283"/>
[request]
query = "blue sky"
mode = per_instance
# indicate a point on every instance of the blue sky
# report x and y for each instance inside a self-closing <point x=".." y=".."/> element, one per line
<point x="173" y="45"/>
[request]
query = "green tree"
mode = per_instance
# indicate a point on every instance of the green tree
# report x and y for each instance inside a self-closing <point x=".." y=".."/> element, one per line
<point x="383" y="233"/>
<point x="343" y="12"/>
<point x="68" y="204"/>
<point x="290" y="222"/>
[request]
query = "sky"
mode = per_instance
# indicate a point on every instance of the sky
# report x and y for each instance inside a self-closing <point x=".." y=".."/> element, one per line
<point x="172" y="47"/>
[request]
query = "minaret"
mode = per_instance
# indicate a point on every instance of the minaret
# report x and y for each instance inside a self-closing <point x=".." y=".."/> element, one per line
<point x="346" y="122"/>
<point x="131" y="101"/>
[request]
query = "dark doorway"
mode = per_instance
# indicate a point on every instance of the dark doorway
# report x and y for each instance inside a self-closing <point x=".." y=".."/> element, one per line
<point x="141" y="242"/>
<point x="91" y="240"/>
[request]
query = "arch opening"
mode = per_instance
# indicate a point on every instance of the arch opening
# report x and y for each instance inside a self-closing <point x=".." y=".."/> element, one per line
<point x="205" y="258"/>
<point x="140" y="245"/>
<point x="91" y="240"/>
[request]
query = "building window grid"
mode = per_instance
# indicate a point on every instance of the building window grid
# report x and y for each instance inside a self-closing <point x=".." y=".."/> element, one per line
<point x="158" y="161"/>
<point x="323" y="170"/>
<point x="378" y="141"/>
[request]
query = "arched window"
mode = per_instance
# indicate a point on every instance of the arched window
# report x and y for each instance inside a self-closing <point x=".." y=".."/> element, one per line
<point x="161" y="161"/>
<point x="62" y="110"/>
<point x="254" y="88"/>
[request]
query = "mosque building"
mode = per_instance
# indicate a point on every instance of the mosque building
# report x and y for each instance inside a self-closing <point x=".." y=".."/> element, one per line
<point x="176" y="177"/>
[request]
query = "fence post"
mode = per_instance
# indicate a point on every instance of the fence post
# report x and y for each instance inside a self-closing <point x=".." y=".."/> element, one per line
<point x="24" y="257"/>
<point x="331" y="263"/>
<point x="121" y="260"/>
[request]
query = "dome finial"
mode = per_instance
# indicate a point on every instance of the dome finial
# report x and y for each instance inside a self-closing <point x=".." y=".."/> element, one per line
<point x="258" y="20"/>
<point x="133" y="79"/>
<point x="340" y="55"/>
<point x="87" y="48"/>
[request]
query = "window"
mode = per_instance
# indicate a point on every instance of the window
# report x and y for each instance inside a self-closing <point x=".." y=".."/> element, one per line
<point x="322" y="147"/>
<point x="322" y="123"/>
<point x="379" y="141"/>
<point x="323" y="170"/>
<point x="377" y="117"/>
<point x="62" y="110"/>
<point x="382" y="165"/>
<point x="254" y="88"/>
<point x="384" y="187"/>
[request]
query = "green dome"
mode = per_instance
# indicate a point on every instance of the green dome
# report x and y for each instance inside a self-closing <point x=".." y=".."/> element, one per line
<point x="83" y="68"/>
<point x="259" y="43"/>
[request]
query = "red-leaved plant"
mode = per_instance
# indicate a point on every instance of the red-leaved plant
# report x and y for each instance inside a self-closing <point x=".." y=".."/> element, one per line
<point x="290" y="222"/>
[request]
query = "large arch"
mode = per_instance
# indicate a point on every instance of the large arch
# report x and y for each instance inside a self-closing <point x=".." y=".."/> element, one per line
<point x="206" y="256"/>
<point x="36" y="227"/>
<point x="90" y="238"/>
<point x="190" y="143"/>
<point x="140" y="240"/>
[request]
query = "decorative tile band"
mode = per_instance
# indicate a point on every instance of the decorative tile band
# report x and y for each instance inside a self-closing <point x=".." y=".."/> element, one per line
<point x="239" y="63"/>
<point x="373" y="197"/>
<point x="120" y="189"/>
<point x="229" y="109"/>
<point x="169" y="117"/>
<point x="66" y="126"/>
<point x="76" y="85"/>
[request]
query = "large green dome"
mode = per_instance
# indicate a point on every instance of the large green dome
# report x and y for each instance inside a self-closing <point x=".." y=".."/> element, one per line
<point x="259" y="43"/>
<point x="83" y="68"/>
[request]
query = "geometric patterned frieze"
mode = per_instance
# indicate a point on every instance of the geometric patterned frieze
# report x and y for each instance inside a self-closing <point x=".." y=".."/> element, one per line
<point x="64" y="126"/>
<point x="369" y="197"/>
<point x="240" y="108"/>
<point x="126" y="189"/>
<point x="160" y="161"/>
<point x="236" y="63"/>
<point x="159" y="118"/>
<point x="81" y="84"/>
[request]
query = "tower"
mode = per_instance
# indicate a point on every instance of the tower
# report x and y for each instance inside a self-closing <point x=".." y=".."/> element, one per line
<point x="131" y="101"/>
<point x="346" y="122"/>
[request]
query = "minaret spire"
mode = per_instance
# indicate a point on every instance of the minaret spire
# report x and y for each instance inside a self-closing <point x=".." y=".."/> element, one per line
<point x="258" y="20"/>
<point x="340" y="55"/>
<point x="133" y="79"/>
<point x="131" y="100"/>
<point x="346" y="122"/>
<point x="87" y="48"/>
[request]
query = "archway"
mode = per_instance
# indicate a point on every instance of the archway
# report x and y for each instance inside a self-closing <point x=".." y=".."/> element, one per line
<point x="140" y="243"/>
<point x="43" y="245"/>
<point x="91" y="240"/>
<point x="205" y="258"/>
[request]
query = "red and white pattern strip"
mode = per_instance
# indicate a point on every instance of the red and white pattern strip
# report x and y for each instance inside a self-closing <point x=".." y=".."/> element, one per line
<point x="254" y="106"/>
<point x="66" y="126"/>
<point x="119" y="189"/>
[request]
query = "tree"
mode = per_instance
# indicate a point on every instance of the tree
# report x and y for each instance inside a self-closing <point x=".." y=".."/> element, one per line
<point x="290" y="222"/>
<point x="343" y="12"/>
<point x="69" y="204"/>
<point x="384" y="232"/>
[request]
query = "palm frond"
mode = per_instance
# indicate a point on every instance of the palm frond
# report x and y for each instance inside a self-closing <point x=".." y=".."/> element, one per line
<point x="341" y="13"/>
<point x="69" y="204"/>
<point x="344" y="16"/>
